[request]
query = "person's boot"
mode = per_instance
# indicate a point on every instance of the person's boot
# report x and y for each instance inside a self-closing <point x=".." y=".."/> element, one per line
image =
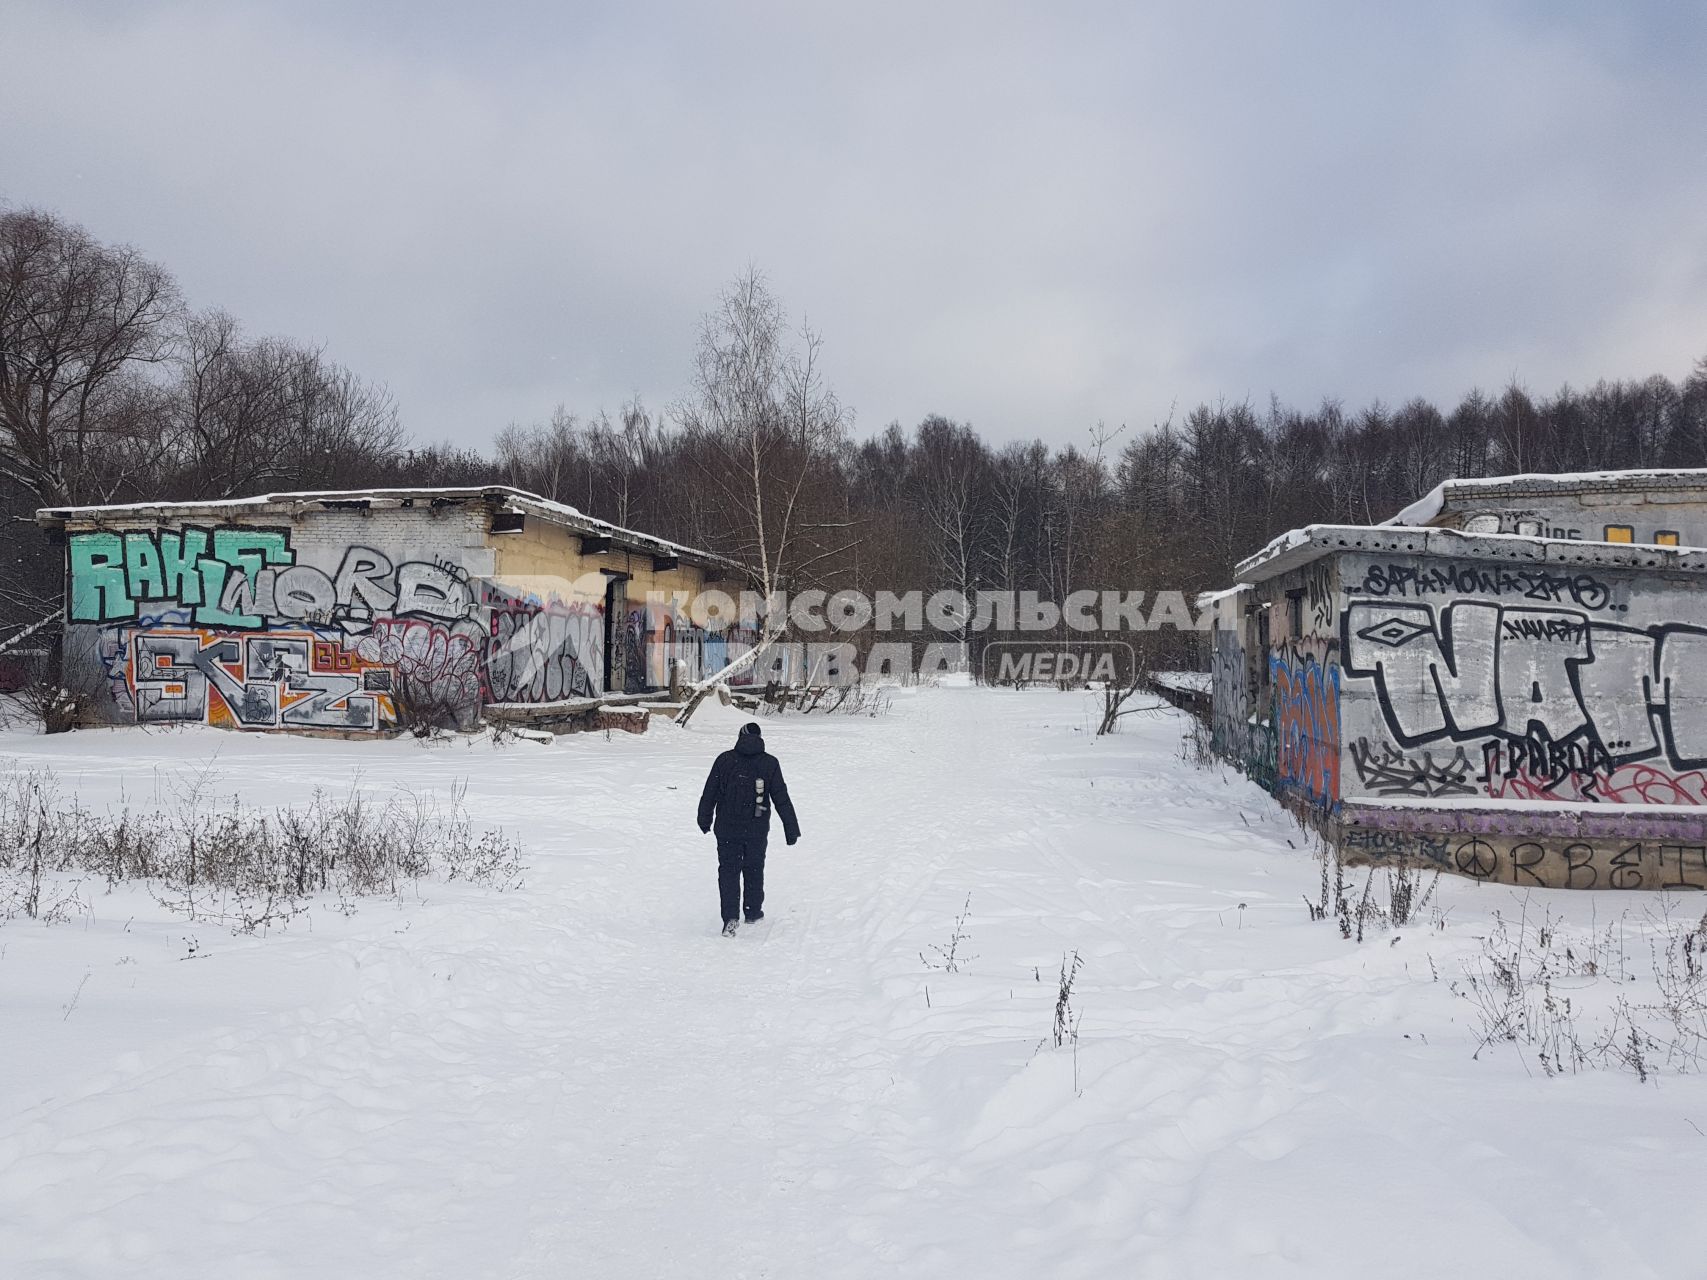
<point x="728" y="928"/>
<point x="753" y="916"/>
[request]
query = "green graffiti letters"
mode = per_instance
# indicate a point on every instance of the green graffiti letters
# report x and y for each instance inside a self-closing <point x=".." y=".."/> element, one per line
<point x="213" y="570"/>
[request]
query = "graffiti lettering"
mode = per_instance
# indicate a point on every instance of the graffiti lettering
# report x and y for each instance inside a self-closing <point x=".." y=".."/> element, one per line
<point x="1422" y="581"/>
<point x="1307" y="720"/>
<point x="110" y="574"/>
<point x="1548" y="678"/>
<point x="540" y="653"/>
<point x="440" y="662"/>
<point x="1385" y="770"/>
<point x="1564" y="864"/>
<point x="1232" y="695"/>
<point x="251" y="681"/>
<point x="1375" y="845"/>
<point x="233" y="625"/>
<point x="1319" y="593"/>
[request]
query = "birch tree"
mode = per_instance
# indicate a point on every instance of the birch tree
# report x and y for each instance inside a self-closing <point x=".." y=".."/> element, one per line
<point x="762" y="424"/>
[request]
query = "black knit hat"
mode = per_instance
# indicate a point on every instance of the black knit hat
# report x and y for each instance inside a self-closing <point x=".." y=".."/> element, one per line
<point x="752" y="727"/>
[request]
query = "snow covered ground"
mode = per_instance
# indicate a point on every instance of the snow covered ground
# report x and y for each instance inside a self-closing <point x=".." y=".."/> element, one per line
<point x="581" y="1078"/>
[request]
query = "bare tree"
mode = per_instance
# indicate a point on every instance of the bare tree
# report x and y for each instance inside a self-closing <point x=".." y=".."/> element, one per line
<point x="231" y="411"/>
<point x="762" y="425"/>
<point x="548" y="460"/>
<point x="628" y="453"/>
<point x="340" y="425"/>
<point x="951" y="485"/>
<point x="248" y="416"/>
<point x="79" y="321"/>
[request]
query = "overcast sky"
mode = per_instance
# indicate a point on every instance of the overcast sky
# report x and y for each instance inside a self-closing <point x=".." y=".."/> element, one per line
<point x="1031" y="217"/>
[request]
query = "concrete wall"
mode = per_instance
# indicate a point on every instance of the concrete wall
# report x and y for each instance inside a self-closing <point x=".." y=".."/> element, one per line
<point x="323" y="620"/>
<point x="1538" y="682"/>
<point x="1610" y="512"/>
<point x="1276" y="687"/>
<point x="1506" y="721"/>
<point x="542" y="581"/>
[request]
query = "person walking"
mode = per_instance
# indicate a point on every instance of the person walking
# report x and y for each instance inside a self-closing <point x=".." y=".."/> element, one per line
<point x="744" y="785"/>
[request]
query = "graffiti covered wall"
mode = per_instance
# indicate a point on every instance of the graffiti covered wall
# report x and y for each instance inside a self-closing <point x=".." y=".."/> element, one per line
<point x="342" y="620"/>
<point x="1299" y="701"/>
<point x="656" y="629"/>
<point x="318" y="623"/>
<point x="1504" y="721"/>
<point x="1528" y="683"/>
<point x="1494" y="713"/>
<point x="1231" y="730"/>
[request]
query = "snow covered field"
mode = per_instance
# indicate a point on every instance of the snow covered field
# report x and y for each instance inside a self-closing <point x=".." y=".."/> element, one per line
<point x="581" y="1079"/>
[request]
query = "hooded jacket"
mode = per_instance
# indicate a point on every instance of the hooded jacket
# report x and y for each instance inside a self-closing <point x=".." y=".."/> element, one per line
<point x="744" y="785"/>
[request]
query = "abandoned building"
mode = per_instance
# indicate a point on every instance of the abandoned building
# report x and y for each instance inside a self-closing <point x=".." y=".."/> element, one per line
<point x="351" y="612"/>
<point x="1508" y="680"/>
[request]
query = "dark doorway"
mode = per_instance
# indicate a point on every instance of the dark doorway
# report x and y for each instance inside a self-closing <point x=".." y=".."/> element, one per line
<point x="616" y="634"/>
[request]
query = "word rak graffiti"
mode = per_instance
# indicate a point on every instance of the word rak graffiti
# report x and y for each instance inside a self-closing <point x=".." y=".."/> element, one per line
<point x="1307" y="723"/>
<point x="1556" y="702"/>
<point x="246" y="578"/>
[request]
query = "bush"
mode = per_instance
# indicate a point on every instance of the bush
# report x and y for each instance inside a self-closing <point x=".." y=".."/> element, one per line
<point x="1572" y="998"/>
<point x="244" y="866"/>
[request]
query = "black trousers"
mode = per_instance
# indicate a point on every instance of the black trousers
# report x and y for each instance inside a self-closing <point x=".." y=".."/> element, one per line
<point x="737" y="861"/>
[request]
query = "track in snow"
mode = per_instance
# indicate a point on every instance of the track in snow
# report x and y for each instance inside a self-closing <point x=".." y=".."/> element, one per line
<point x="583" y="1078"/>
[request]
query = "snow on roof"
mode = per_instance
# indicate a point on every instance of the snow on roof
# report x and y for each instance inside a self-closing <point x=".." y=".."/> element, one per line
<point x="1209" y="599"/>
<point x="1298" y="547"/>
<point x="1430" y="505"/>
<point x="506" y="495"/>
<point x="52" y="515"/>
<point x="1423" y="510"/>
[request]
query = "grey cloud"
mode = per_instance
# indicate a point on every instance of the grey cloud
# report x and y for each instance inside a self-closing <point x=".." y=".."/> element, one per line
<point x="1030" y="217"/>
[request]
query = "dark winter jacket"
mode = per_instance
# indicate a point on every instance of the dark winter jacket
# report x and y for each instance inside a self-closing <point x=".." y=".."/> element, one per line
<point x="744" y="784"/>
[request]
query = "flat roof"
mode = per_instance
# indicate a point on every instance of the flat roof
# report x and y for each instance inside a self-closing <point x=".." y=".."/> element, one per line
<point x="1299" y="547"/>
<point x="1550" y="485"/>
<point x="496" y="497"/>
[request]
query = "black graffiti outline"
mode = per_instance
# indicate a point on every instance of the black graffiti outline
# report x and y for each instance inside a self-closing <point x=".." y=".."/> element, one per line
<point x="325" y="689"/>
<point x="257" y="699"/>
<point x="1389" y="579"/>
<point x="534" y="653"/>
<point x="1385" y="770"/>
<point x="1476" y="858"/>
<point x="1659" y="706"/>
<point x="175" y="569"/>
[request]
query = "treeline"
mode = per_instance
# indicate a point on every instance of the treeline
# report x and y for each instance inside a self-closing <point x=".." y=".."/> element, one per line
<point x="1233" y="477"/>
<point x="1174" y="507"/>
<point x="113" y="390"/>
